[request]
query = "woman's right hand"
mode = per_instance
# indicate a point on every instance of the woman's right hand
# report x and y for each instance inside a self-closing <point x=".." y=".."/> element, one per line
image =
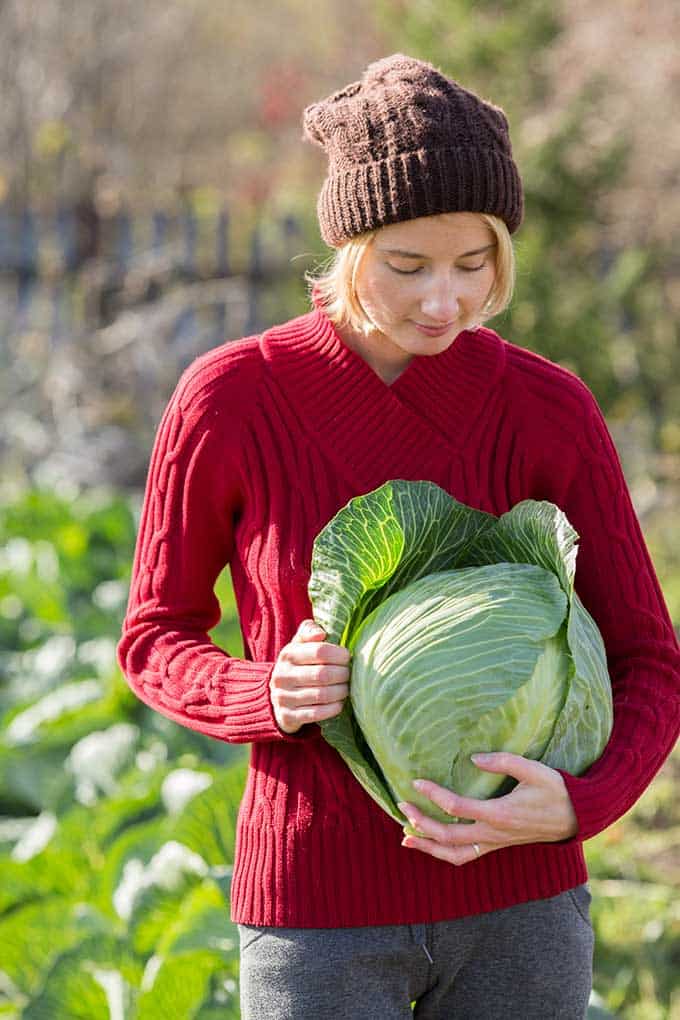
<point x="310" y="680"/>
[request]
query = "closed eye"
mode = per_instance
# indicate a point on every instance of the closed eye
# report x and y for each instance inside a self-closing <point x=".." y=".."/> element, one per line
<point x="410" y="272"/>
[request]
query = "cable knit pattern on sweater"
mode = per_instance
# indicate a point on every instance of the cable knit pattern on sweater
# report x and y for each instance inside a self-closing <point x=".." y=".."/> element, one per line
<point x="263" y="441"/>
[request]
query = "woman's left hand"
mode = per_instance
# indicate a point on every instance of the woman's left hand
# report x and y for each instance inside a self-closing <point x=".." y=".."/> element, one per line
<point x="537" y="810"/>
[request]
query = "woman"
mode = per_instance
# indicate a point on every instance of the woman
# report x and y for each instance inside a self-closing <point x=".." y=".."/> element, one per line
<point x="392" y="375"/>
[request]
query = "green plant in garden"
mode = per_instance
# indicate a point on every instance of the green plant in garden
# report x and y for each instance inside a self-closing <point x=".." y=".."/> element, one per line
<point x="117" y="827"/>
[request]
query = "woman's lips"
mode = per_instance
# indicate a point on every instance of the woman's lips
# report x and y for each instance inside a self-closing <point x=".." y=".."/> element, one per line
<point x="433" y="330"/>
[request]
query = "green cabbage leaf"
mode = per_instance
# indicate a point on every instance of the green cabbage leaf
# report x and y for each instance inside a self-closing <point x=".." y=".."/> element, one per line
<point x="466" y="635"/>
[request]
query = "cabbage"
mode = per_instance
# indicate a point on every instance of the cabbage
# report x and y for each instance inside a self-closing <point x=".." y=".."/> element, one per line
<point x="466" y="635"/>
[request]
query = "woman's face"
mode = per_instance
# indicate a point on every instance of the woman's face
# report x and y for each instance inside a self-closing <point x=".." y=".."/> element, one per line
<point x="434" y="271"/>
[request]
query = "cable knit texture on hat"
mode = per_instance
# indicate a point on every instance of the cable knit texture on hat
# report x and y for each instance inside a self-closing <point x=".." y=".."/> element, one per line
<point x="406" y="141"/>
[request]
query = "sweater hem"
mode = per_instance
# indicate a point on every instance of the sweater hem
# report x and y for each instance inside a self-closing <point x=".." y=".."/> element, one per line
<point x="281" y="879"/>
<point x="574" y="873"/>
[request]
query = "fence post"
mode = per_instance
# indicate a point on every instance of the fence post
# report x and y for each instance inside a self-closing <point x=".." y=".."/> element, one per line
<point x="26" y="265"/>
<point x="190" y="237"/>
<point x="222" y="244"/>
<point x="254" y="279"/>
<point x="159" y="223"/>
<point x="124" y="240"/>
<point x="6" y="252"/>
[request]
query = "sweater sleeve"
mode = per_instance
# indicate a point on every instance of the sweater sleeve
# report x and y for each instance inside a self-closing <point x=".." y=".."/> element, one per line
<point x="616" y="581"/>
<point x="185" y="538"/>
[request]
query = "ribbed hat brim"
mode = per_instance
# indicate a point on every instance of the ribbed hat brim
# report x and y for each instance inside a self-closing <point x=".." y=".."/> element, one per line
<point x="422" y="183"/>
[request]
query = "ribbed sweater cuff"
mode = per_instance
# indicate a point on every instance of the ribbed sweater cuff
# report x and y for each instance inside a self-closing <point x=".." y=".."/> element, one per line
<point x="600" y="800"/>
<point x="251" y="713"/>
<point x="246" y="695"/>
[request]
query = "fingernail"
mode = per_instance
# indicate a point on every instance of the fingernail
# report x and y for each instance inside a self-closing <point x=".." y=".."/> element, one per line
<point x="419" y="784"/>
<point x="480" y="759"/>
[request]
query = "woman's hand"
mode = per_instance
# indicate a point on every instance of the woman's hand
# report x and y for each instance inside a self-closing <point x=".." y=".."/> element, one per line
<point x="310" y="679"/>
<point x="537" y="810"/>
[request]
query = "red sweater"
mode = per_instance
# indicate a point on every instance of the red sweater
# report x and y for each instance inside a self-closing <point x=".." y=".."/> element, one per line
<point x="263" y="441"/>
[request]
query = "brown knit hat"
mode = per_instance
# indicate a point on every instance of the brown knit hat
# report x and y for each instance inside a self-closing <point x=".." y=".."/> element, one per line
<point x="406" y="141"/>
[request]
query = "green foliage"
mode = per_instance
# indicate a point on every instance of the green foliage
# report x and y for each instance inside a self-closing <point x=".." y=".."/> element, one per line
<point x="477" y="43"/>
<point x="635" y="873"/>
<point x="117" y="828"/>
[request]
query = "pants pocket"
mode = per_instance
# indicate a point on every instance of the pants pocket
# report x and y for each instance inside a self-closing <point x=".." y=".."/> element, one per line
<point x="581" y="898"/>
<point x="249" y="934"/>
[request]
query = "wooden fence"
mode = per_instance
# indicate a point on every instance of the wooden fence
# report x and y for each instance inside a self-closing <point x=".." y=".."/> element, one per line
<point x="98" y="318"/>
<point x="73" y="270"/>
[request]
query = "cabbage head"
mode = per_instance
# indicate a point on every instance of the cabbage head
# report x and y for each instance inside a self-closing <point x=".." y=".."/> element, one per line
<point x="466" y="635"/>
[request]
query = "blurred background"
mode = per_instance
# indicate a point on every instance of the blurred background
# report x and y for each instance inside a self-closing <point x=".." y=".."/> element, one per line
<point x="156" y="199"/>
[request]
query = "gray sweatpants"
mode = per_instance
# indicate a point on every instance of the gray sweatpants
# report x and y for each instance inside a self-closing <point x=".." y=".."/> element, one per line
<point x="532" y="961"/>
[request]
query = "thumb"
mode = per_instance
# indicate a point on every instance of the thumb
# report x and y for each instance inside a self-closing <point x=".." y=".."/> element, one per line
<point x="309" y="630"/>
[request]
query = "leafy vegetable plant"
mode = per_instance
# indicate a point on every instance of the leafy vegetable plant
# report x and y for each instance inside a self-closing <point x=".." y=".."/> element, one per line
<point x="466" y="635"/>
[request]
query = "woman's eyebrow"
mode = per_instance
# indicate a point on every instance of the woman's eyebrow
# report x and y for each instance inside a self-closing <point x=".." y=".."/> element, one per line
<point x="415" y="255"/>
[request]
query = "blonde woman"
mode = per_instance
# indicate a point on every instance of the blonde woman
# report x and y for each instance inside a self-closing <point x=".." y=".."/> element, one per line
<point x="392" y="374"/>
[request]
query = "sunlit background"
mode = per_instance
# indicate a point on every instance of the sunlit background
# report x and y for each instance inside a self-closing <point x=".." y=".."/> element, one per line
<point x="157" y="199"/>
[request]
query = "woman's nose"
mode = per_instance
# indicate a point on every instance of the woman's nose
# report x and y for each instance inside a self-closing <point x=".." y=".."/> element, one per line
<point x="441" y="303"/>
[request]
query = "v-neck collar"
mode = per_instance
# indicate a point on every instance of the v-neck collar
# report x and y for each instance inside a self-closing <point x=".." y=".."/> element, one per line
<point x="410" y="428"/>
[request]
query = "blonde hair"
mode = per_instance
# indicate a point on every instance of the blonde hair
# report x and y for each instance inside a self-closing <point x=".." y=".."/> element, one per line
<point x="336" y="284"/>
